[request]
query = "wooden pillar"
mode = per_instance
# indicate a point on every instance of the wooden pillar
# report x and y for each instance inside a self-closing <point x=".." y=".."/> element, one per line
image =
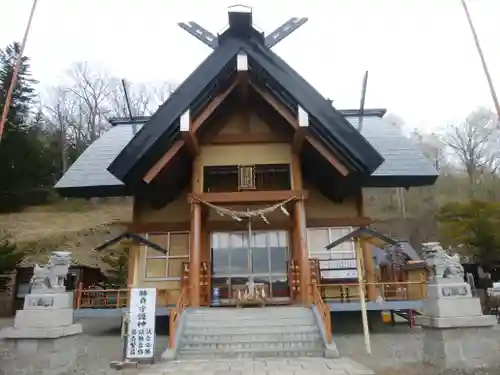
<point x="205" y="238"/>
<point x="299" y="214"/>
<point x="195" y="238"/>
<point x="300" y="232"/>
<point x="132" y="257"/>
<point x="134" y="250"/>
<point x="195" y="254"/>
<point x="369" y="276"/>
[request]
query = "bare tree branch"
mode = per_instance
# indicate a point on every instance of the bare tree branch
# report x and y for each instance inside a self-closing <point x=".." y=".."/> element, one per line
<point x="61" y="112"/>
<point x="431" y="146"/>
<point x="92" y="86"/>
<point x="77" y="110"/>
<point x="472" y="142"/>
<point x="144" y="98"/>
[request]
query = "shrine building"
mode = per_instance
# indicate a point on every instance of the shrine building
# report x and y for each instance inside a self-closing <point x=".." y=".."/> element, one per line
<point x="245" y="173"/>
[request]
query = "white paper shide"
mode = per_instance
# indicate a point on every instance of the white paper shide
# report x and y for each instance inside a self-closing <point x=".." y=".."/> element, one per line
<point x="141" y="328"/>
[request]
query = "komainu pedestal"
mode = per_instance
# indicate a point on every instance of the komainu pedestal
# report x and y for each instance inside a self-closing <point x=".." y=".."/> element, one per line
<point x="457" y="336"/>
<point x="44" y="335"/>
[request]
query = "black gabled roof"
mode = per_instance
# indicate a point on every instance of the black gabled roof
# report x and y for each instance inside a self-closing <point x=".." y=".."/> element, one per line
<point x="327" y="123"/>
<point x="267" y="70"/>
<point x="366" y="234"/>
<point x="163" y="126"/>
<point x="131" y="236"/>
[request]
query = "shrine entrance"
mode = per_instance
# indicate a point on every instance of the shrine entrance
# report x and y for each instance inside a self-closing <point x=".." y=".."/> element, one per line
<point x="261" y="256"/>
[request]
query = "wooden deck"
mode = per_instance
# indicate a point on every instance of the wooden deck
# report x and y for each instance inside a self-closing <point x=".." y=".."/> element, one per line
<point x="385" y="291"/>
<point x="338" y="297"/>
<point x="91" y="303"/>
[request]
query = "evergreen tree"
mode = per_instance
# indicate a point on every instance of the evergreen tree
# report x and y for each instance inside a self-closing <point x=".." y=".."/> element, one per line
<point x="10" y="256"/>
<point x="24" y="152"/>
<point x="472" y="226"/>
<point x="24" y="93"/>
<point x="117" y="262"/>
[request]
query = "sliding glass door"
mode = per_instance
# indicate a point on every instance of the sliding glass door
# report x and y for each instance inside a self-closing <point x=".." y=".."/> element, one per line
<point x="235" y="259"/>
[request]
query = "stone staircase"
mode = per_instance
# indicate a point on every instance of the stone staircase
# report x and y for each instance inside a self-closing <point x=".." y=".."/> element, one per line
<point x="250" y="333"/>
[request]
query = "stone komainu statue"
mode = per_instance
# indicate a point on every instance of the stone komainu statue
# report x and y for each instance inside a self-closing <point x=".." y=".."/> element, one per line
<point x="446" y="267"/>
<point x="53" y="274"/>
<point x="40" y="278"/>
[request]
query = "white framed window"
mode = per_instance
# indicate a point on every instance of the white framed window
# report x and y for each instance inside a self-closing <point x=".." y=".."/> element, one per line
<point x="160" y="266"/>
<point x="336" y="263"/>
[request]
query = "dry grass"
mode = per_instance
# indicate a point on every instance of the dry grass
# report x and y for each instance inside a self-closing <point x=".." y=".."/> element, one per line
<point x="47" y="221"/>
<point x="73" y="225"/>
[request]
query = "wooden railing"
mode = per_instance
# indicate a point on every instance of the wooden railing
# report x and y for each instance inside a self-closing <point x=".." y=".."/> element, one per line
<point x="176" y="313"/>
<point x="324" y="312"/>
<point x="388" y="291"/>
<point x="7" y="286"/>
<point x="116" y="298"/>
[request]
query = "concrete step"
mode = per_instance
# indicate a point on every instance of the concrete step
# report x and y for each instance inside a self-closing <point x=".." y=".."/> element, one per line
<point x="201" y="310"/>
<point x="253" y="310"/>
<point x="237" y="313"/>
<point x="245" y="330"/>
<point x="249" y="339"/>
<point x="251" y="322"/>
<point x="206" y="353"/>
<point x="253" y="336"/>
<point x="217" y="319"/>
<point x="250" y="333"/>
<point x="251" y="344"/>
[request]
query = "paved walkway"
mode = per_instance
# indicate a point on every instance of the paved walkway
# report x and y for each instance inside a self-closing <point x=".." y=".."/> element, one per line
<point x="271" y="366"/>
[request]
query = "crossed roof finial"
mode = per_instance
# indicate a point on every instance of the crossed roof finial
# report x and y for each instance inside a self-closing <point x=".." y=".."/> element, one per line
<point x="273" y="38"/>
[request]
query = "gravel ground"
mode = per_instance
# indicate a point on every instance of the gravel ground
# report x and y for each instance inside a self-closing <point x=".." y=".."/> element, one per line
<point x="395" y="352"/>
<point x="100" y="343"/>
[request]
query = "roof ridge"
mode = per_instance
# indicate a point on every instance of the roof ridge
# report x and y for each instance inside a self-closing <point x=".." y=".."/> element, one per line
<point x="348" y="112"/>
<point x="213" y="73"/>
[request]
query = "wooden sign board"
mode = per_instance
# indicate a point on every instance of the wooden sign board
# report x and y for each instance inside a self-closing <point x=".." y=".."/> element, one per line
<point x="141" y="327"/>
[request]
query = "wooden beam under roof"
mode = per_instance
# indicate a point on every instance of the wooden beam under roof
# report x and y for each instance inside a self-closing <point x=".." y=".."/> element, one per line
<point x="211" y="107"/>
<point x="188" y="136"/>
<point x="187" y="133"/>
<point x="294" y="122"/>
<point x="242" y="78"/>
<point x="160" y="164"/>
<point x="318" y="146"/>
<point x="300" y="133"/>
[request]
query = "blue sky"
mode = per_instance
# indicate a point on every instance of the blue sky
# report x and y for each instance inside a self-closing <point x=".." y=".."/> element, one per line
<point x="421" y="57"/>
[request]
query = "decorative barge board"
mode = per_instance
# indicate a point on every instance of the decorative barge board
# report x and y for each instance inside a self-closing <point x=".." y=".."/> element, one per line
<point x="242" y="171"/>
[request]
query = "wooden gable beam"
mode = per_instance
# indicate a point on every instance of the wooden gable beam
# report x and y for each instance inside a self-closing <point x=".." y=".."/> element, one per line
<point x="188" y="138"/>
<point x="160" y="164"/>
<point x="242" y="69"/>
<point x="187" y="134"/>
<point x="301" y="132"/>
<point x="243" y="90"/>
<point x="295" y="123"/>
<point x="328" y="155"/>
<point x="211" y="107"/>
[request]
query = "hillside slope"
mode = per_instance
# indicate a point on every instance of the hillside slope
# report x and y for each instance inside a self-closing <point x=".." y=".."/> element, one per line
<point x="75" y="226"/>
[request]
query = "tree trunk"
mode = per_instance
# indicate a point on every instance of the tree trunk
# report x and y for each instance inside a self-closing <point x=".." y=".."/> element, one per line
<point x="64" y="156"/>
<point x="470" y="174"/>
